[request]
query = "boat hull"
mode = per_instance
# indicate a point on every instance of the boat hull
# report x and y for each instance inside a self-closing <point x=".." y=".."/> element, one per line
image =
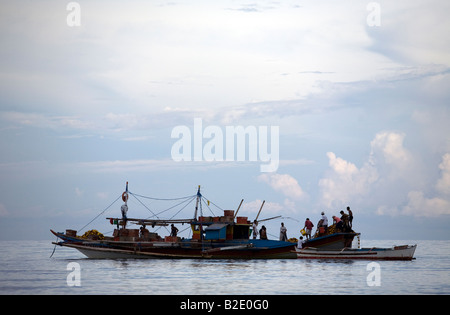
<point x="235" y="249"/>
<point x="404" y="252"/>
<point x="336" y="241"/>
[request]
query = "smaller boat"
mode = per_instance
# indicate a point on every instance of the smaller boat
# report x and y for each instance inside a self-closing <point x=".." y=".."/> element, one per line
<point x="403" y="252"/>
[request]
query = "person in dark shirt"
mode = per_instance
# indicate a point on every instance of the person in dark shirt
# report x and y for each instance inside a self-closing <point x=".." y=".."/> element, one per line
<point x="174" y="230"/>
<point x="344" y="218"/>
<point x="308" y="228"/>
<point x="350" y="217"/>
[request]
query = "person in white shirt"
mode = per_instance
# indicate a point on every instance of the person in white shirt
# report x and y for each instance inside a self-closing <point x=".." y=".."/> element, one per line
<point x="124" y="210"/>
<point x="324" y="221"/>
<point x="283" y="232"/>
<point x="255" y="229"/>
<point x="300" y="242"/>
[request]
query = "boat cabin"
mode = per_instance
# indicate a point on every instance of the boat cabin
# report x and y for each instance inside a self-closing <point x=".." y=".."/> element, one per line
<point x="221" y="228"/>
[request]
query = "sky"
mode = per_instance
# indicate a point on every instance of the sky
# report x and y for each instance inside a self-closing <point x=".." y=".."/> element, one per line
<point x="359" y="91"/>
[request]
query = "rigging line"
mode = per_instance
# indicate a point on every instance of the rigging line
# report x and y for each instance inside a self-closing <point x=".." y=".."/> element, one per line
<point x="186" y="200"/>
<point x="100" y="213"/>
<point x="134" y="195"/>
<point x="188" y="227"/>
<point x="54" y="248"/>
<point x="209" y="208"/>
<point x="189" y="201"/>
<point x="146" y="197"/>
<point x="290" y="218"/>
<point x="213" y="203"/>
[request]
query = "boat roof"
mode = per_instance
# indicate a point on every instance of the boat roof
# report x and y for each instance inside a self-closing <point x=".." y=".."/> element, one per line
<point x="154" y="222"/>
<point x="216" y="226"/>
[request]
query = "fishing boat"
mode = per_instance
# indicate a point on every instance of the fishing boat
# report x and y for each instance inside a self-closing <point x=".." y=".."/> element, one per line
<point x="335" y="240"/>
<point x="403" y="252"/>
<point x="216" y="237"/>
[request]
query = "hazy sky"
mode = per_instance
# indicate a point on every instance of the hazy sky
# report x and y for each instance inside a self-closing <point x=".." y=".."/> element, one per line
<point x="360" y="91"/>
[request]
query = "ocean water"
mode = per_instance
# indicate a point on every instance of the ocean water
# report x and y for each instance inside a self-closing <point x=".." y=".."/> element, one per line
<point x="26" y="268"/>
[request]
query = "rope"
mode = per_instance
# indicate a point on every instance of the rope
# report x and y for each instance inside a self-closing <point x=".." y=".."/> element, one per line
<point x="100" y="213"/>
<point x="214" y="204"/>
<point x="146" y="197"/>
<point x="187" y="203"/>
<point x="54" y="248"/>
<point x="192" y="198"/>
<point x="209" y="207"/>
<point x="144" y="205"/>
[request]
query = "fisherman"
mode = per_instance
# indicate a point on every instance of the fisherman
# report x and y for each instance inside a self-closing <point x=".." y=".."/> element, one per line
<point x="174" y="230"/>
<point x="350" y="217"/>
<point x="263" y="233"/>
<point x="300" y="242"/>
<point x="255" y="229"/>
<point x="143" y="231"/>
<point x="324" y="221"/>
<point x="308" y="228"/>
<point x="124" y="210"/>
<point x="338" y="223"/>
<point x="344" y="218"/>
<point x="283" y="233"/>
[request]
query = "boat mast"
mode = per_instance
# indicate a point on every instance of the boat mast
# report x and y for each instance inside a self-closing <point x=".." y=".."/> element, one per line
<point x="126" y="194"/>
<point x="199" y="195"/>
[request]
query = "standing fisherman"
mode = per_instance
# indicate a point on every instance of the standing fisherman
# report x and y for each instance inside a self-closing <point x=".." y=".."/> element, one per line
<point x="350" y="217"/>
<point x="283" y="232"/>
<point x="308" y="228"/>
<point x="255" y="229"/>
<point x="124" y="208"/>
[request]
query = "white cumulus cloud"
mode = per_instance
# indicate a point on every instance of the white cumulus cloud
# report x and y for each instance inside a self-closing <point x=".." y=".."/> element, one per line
<point x="388" y="178"/>
<point x="284" y="183"/>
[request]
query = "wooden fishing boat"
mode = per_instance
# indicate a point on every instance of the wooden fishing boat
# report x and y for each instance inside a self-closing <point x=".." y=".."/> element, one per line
<point x="221" y="237"/>
<point x="332" y="241"/>
<point x="404" y="252"/>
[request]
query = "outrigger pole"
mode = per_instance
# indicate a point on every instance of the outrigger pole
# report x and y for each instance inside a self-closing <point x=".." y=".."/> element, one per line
<point x="238" y="209"/>
<point x="278" y="216"/>
<point x="260" y="210"/>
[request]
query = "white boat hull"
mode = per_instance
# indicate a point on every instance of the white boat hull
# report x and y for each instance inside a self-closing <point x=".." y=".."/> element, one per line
<point x="404" y="252"/>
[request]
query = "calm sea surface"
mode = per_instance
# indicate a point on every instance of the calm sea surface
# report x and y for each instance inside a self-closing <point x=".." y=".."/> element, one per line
<point x="25" y="268"/>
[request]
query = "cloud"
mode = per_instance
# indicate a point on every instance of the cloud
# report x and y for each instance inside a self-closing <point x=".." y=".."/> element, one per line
<point x="46" y="121"/>
<point x="3" y="211"/>
<point x="404" y="31"/>
<point x="79" y="192"/>
<point x="390" y="144"/>
<point x="284" y="183"/>
<point x="443" y="184"/>
<point x="270" y="208"/>
<point x="102" y="195"/>
<point x="388" y="178"/>
<point x="421" y="206"/>
<point x="345" y="182"/>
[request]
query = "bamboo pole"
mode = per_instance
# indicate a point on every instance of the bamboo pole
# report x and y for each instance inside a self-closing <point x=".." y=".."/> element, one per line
<point x="238" y="209"/>
<point x="260" y="210"/>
